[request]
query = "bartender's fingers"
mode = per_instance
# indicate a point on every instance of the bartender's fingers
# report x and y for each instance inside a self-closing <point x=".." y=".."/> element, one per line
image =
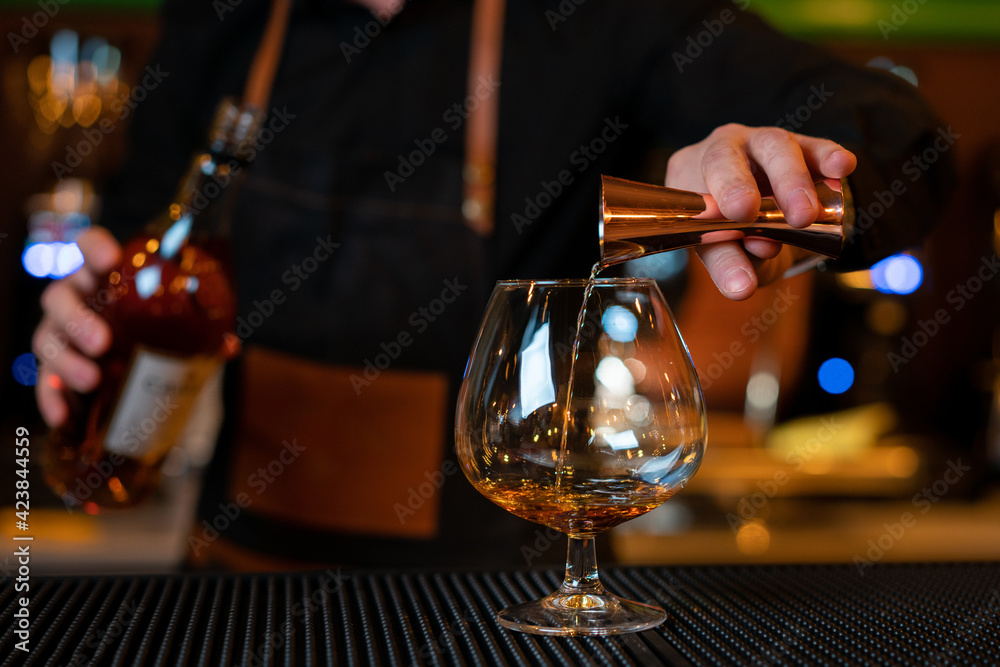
<point x="761" y="248"/>
<point x="101" y="252"/>
<point x="68" y="317"/>
<point x="825" y="158"/>
<point x="730" y="156"/>
<point x="727" y="172"/>
<point x="730" y="269"/>
<point x="56" y="355"/>
<point x="729" y="162"/>
<point x="49" y="396"/>
<point x="780" y="157"/>
<point x="792" y="163"/>
<point x="70" y="332"/>
<point x="66" y="314"/>
<point x="61" y="367"/>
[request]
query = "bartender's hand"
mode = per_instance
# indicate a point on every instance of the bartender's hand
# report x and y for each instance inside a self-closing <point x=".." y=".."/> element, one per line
<point x="733" y="164"/>
<point x="71" y="335"/>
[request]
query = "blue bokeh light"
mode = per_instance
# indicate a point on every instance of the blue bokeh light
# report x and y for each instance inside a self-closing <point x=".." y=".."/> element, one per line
<point x="38" y="259"/>
<point x="25" y="369"/>
<point x="620" y="324"/>
<point x="52" y="259"/>
<point x="69" y="259"/>
<point x="835" y="375"/>
<point x="898" y="274"/>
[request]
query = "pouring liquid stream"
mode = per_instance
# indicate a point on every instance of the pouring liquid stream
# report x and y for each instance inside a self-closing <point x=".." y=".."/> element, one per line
<point x="588" y="290"/>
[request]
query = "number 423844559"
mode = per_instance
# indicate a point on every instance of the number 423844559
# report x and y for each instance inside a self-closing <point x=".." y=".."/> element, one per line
<point x="22" y="456"/>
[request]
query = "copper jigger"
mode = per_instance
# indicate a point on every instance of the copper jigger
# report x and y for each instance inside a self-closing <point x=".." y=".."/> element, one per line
<point x="639" y="219"/>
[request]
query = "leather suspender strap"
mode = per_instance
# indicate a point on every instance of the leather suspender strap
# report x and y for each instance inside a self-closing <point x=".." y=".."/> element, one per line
<point x="481" y="129"/>
<point x="479" y="172"/>
<point x="260" y="78"/>
<point x="485" y="56"/>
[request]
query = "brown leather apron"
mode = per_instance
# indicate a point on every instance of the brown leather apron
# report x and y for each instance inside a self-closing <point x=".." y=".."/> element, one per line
<point x="387" y="438"/>
<point x="333" y="449"/>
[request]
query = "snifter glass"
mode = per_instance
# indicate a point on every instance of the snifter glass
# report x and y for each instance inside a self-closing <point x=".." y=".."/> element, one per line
<point x="580" y="420"/>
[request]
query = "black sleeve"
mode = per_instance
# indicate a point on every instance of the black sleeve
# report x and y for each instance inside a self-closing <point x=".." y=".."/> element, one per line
<point x="203" y="55"/>
<point x="719" y="64"/>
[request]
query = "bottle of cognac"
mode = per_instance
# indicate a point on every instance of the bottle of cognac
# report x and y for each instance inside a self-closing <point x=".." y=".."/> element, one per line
<point x="170" y="305"/>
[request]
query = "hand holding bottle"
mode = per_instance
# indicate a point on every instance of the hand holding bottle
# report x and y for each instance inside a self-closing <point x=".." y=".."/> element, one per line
<point x="71" y="334"/>
<point x="129" y="342"/>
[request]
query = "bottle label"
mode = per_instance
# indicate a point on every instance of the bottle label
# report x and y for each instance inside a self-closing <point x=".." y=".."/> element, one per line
<point x="157" y="396"/>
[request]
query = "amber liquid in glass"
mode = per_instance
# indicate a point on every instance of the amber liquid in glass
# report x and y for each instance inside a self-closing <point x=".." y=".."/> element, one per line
<point x="579" y="509"/>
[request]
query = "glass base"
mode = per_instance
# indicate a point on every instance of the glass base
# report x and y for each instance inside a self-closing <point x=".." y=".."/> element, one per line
<point x="567" y="614"/>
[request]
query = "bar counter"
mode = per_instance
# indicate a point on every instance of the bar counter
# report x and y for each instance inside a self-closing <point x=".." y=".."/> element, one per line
<point x="899" y="614"/>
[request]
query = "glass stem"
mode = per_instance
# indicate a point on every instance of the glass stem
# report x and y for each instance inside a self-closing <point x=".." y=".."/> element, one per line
<point x="581" y="568"/>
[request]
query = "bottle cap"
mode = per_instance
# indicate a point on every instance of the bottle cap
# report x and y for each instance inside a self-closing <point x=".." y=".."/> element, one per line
<point x="235" y="126"/>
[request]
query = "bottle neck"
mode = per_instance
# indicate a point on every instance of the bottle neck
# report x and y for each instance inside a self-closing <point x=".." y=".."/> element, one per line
<point x="203" y="204"/>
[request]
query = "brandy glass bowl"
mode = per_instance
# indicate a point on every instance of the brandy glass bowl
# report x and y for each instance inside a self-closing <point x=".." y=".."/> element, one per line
<point x="579" y="415"/>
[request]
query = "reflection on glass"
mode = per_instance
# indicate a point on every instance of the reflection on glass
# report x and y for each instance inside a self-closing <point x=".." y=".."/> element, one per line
<point x="625" y="439"/>
<point x="537" y="387"/>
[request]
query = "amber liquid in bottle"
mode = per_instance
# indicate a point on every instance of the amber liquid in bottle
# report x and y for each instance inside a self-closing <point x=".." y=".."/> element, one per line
<point x="170" y="305"/>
